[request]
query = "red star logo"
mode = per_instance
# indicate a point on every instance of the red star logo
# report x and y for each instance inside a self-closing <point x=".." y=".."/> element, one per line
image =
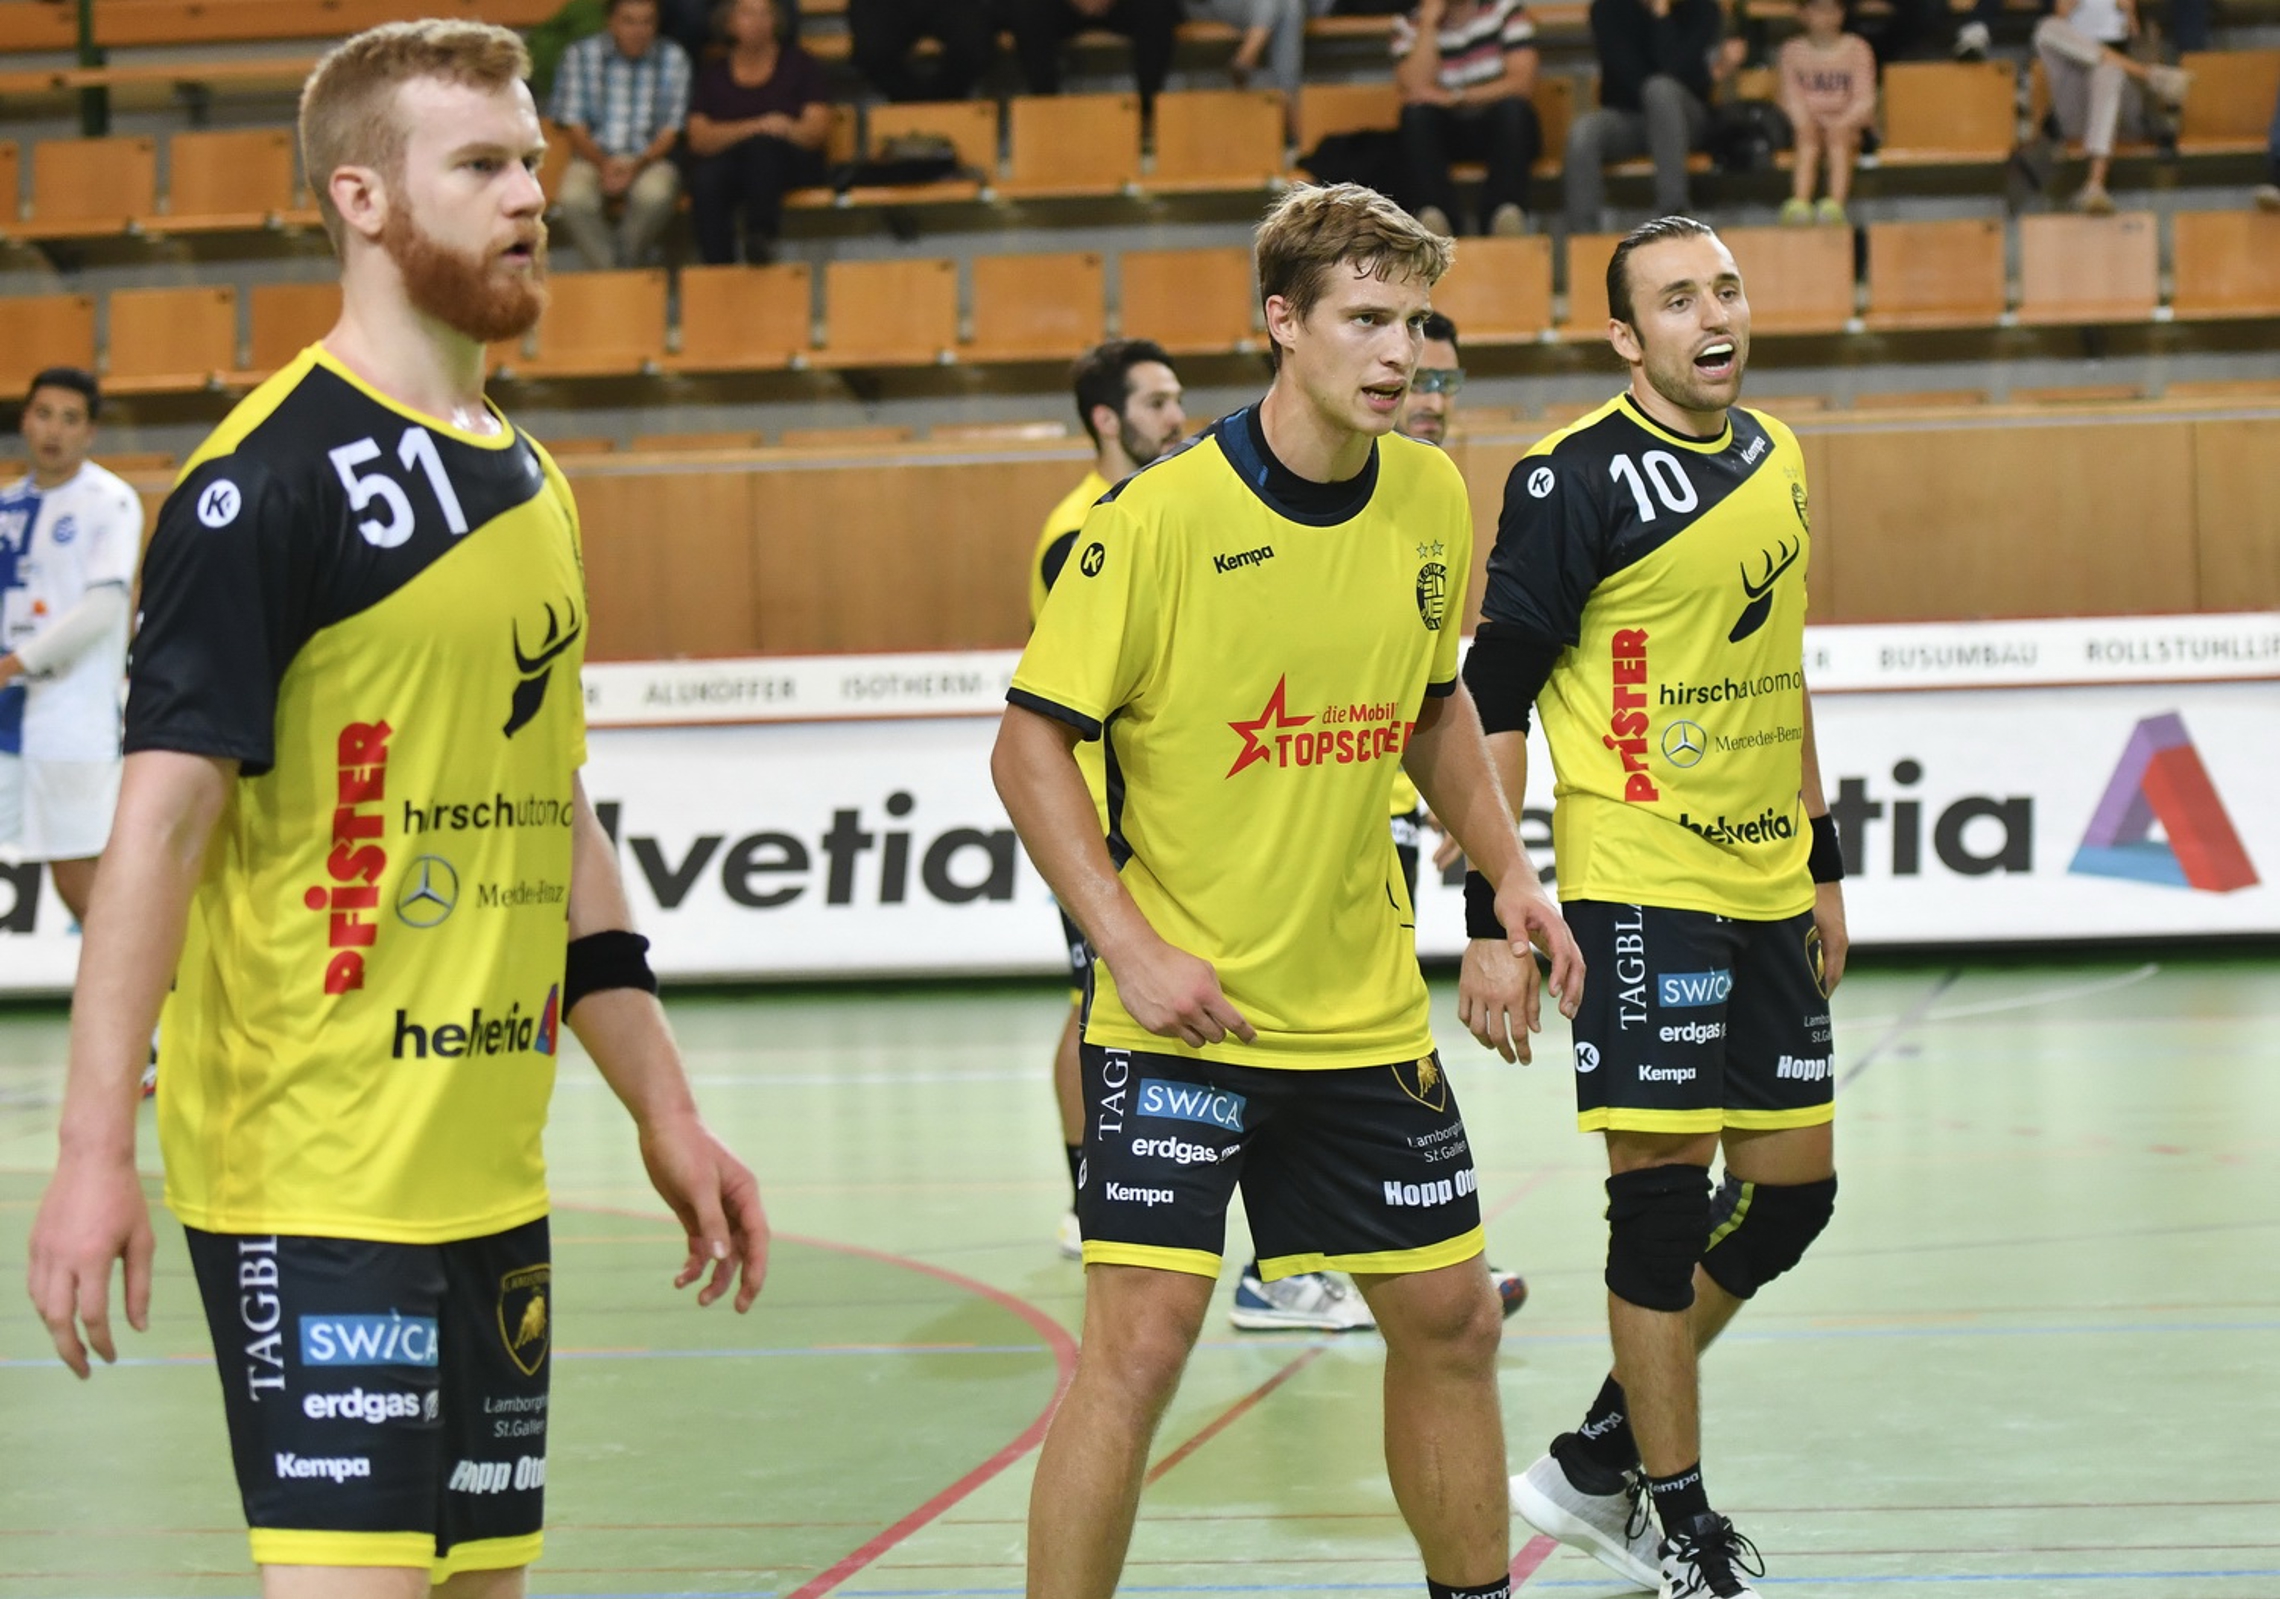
<point x="1256" y="748"/>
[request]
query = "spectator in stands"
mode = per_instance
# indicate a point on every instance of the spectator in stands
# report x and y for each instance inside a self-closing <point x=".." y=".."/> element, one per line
<point x="757" y="123"/>
<point x="1654" y="94"/>
<point x="2096" y="88"/>
<point x="1466" y="70"/>
<point x="884" y="32"/>
<point x="2268" y="194"/>
<point x="621" y="97"/>
<point x="1828" y="87"/>
<point x="1042" y="27"/>
<point x="1273" y="44"/>
<point x="1433" y="388"/>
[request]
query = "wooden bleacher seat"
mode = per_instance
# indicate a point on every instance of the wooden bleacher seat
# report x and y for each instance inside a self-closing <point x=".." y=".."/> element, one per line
<point x="170" y="340"/>
<point x="1325" y="109"/>
<point x="1936" y="274"/>
<point x="839" y="146"/>
<point x="1499" y="291"/>
<point x="2228" y="110"/>
<point x="1917" y="399"/>
<point x="1192" y="302"/>
<point x="139" y="463"/>
<point x="2255" y="391"/>
<point x="1555" y="97"/>
<point x="555" y="162"/>
<point x="744" y="318"/>
<point x="172" y="22"/>
<point x="1587" y="258"/>
<point x="579" y="445"/>
<point x="223" y="181"/>
<point x="11" y="185"/>
<point x="89" y="187"/>
<point x="1217" y="139"/>
<point x="2082" y="270"/>
<point x="674" y="443"/>
<point x="889" y="313"/>
<point x="1785" y="406"/>
<point x="32" y="27"/>
<point x="287" y="318"/>
<point x="1038" y="307"/>
<point x="2227" y="264"/>
<point x="44" y="330"/>
<point x="1797" y="280"/>
<point x="851" y="438"/>
<point x="971" y="126"/>
<point x="1949" y="113"/>
<point x="2077" y="394"/>
<point x="601" y="324"/>
<point x="999" y="433"/>
<point x="1072" y="144"/>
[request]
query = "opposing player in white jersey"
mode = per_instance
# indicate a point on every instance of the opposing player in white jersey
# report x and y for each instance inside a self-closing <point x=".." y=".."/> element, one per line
<point x="75" y="534"/>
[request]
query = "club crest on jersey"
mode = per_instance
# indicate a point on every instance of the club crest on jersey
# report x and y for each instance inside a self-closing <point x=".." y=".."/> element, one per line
<point x="1433" y="594"/>
<point x="1421" y="1080"/>
<point x="535" y="669"/>
<point x="1797" y="498"/>
<point x="525" y="1319"/>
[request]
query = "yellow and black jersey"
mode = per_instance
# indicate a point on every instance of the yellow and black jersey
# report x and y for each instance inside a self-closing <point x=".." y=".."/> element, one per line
<point x="1255" y="649"/>
<point x="381" y="618"/>
<point x="1672" y="570"/>
<point x="1052" y="554"/>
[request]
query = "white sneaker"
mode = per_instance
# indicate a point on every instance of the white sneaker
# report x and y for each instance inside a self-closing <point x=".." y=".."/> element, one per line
<point x="1318" y="1300"/>
<point x="1707" y="1560"/>
<point x="1615" y="1529"/>
<point x="1070" y="1237"/>
<point x="1972" y="41"/>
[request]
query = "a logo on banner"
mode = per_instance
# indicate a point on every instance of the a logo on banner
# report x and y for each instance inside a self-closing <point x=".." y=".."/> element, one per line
<point x="2161" y="779"/>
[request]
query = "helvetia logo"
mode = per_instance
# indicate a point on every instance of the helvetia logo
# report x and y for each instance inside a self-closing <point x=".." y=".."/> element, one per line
<point x="2161" y="779"/>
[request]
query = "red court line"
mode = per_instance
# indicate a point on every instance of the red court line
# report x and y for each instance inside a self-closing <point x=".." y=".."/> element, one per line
<point x="1228" y="1417"/>
<point x="1532" y="1555"/>
<point x="1527" y="1187"/>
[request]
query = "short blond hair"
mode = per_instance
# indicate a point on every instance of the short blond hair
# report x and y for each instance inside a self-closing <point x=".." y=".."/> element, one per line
<point x="347" y="115"/>
<point x="1314" y="229"/>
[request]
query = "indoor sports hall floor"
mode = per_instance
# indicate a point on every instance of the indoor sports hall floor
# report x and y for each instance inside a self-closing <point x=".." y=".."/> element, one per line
<point x="2034" y="1355"/>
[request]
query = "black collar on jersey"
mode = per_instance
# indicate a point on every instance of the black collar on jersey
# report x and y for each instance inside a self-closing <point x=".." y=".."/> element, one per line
<point x="1639" y="415"/>
<point x="1244" y="442"/>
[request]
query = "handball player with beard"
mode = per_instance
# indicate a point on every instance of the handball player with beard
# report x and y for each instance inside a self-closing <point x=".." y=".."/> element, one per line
<point x="354" y="698"/>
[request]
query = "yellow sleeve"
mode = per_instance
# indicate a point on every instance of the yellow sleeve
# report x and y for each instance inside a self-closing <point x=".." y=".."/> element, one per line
<point x="1100" y="629"/>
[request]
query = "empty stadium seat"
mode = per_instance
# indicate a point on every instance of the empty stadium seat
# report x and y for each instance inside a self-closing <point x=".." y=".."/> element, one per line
<point x="1192" y="302"/>
<point x="1936" y="274"/>
<point x="999" y="433"/>
<point x="159" y="22"/>
<point x="170" y="340"/>
<point x="743" y="318"/>
<point x="2227" y="264"/>
<point x="1917" y="399"/>
<point x="1072" y="144"/>
<point x="1217" y="139"/>
<point x="850" y="438"/>
<point x="90" y="186"/>
<point x="889" y="313"/>
<point x="2088" y="269"/>
<point x="2263" y="391"/>
<point x="1037" y="307"/>
<point x="732" y="439"/>
<point x="1325" y="109"/>
<point x="216" y="181"/>
<point x="1499" y="291"/>
<point x="601" y="324"/>
<point x="44" y="330"/>
<point x="1797" y="280"/>
<point x="1587" y="258"/>
<point x="1949" y="113"/>
<point x="2228" y="110"/>
<point x="288" y="318"/>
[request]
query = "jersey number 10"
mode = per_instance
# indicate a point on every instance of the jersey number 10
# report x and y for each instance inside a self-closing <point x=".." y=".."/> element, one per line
<point x="416" y="448"/>
<point x="1669" y="478"/>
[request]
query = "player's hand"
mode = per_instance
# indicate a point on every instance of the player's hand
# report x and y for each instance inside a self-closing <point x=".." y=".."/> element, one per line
<point x="1177" y="995"/>
<point x="11" y="668"/>
<point x="1530" y="918"/>
<point x="1496" y="997"/>
<point x="717" y="1200"/>
<point x="1836" y="943"/>
<point x="92" y="1214"/>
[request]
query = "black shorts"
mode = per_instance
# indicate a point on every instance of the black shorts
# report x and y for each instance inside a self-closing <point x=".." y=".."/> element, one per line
<point x="387" y="1402"/>
<point x="1363" y="1168"/>
<point x="1080" y="958"/>
<point x="1693" y="1022"/>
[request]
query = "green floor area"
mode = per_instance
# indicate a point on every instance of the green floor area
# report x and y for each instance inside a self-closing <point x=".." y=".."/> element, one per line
<point x="2033" y="1355"/>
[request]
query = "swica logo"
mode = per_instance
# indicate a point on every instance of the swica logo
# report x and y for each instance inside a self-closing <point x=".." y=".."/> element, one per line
<point x="2161" y="779"/>
<point x="1681" y="990"/>
<point x="1190" y="1102"/>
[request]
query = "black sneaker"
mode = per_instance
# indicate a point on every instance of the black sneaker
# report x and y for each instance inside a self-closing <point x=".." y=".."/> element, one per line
<point x="1706" y="1558"/>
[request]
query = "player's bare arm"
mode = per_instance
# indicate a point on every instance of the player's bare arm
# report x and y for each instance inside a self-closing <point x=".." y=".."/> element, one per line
<point x="1169" y="992"/>
<point x="1828" y="898"/>
<point x="1496" y="977"/>
<point x="714" y="1194"/>
<point x="93" y="1213"/>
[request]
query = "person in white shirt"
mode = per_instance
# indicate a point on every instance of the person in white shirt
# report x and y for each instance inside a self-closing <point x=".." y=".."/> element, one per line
<point x="63" y="623"/>
<point x="2097" y="87"/>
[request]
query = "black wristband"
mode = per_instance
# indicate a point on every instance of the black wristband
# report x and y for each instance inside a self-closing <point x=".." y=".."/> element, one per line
<point x="1827" y="861"/>
<point x="605" y="960"/>
<point x="1480" y="908"/>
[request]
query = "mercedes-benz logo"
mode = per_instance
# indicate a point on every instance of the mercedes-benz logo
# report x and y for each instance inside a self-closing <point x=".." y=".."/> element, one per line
<point x="1684" y="743"/>
<point x="431" y="889"/>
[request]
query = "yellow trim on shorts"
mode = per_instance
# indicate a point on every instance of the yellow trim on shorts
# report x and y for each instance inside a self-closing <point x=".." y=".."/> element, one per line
<point x="293" y="1546"/>
<point x="489" y="1554"/>
<point x="1620" y="1119"/>
<point x="1757" y="1121"/>
<point x="1194" y="1262"/>
<point x="1383" y="1262"/>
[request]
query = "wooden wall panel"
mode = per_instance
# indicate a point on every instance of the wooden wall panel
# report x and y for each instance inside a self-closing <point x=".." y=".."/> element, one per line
<point x="2236" y="470"/>
<point x="1821" y="573"/>
<point x="669" y="569"/>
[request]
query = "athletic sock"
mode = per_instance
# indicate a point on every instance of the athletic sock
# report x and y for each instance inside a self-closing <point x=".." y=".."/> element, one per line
<point x="1076" y="1154"/>
<point x="1679" y="1499"/>
<point x="1501" y="1588"/>
<point x="1604" y="1440"/>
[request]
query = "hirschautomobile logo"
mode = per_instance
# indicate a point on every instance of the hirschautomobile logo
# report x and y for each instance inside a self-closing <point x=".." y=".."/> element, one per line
<point x="2161" y="779"/>
<point x="1760" y="593"/>
<point x="530" y="693"/>
<point x="430" y="890"/>
<point x="1683" y="743"/>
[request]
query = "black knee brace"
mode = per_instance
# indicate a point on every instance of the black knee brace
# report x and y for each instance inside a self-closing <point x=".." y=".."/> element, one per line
<point x="1760" y="1230"/>
<point x="1658" y="1219"/>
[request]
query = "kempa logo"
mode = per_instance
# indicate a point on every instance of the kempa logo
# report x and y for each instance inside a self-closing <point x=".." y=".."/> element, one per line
<point x="1236" y="563"/>
<point x="338" y="1468"/>
<point x="1666" y="1074"/>
<point x="1138" y="1196"/>
<point x="1678" y="990"/>
<point x="1804" y="1068"/>
<point x="1176" y="1150"/>
<point x="1587" y="1057"/>
<point x="375" y="1408"/>
<point x="2161" y="779"/>
<point x="1425" y="1195"/>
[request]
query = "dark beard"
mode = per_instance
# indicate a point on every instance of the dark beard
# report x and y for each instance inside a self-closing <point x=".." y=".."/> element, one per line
<point x="1140" y="451"/>
<point x="464" y="292"/>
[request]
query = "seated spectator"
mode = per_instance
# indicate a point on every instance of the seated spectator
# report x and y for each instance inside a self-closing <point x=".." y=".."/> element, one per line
<point x="2096" y="89"/>
<point x="1042" y="27"/>
<point x="1467" y="68"/>
<point x="620" y="96"/>
<point x="1274" y="38"/>
<point x="2268" y="193"/>
<point x="757" y="124"/>
<point x="1828" y="87"/>
<point x="883" y="33"/>
<point x="1654" y="93"/>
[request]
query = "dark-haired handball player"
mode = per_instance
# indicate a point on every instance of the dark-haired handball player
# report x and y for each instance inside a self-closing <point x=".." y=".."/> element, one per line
<point x="364" y="598"/>
<point x="1646" y="596"/>
<point x="1263" y="628"/>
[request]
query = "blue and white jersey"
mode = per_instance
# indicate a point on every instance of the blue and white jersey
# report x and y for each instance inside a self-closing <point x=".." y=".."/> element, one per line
<point x="85" y="534"/>
<point x="19" y="508"/>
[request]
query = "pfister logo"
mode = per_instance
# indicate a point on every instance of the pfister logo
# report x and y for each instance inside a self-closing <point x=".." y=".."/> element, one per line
<point x="389" y="1340"/>
<point x="1679" y="990"/>
<point x="1190" y="1102"/>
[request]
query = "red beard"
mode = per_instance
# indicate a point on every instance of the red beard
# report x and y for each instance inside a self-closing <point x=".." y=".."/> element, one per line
<point x="470" y="294"/>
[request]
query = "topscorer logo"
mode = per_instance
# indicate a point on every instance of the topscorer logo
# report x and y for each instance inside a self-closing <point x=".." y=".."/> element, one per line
<point x="1190" y="1102"/>
<point x="2161" y="778"/>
